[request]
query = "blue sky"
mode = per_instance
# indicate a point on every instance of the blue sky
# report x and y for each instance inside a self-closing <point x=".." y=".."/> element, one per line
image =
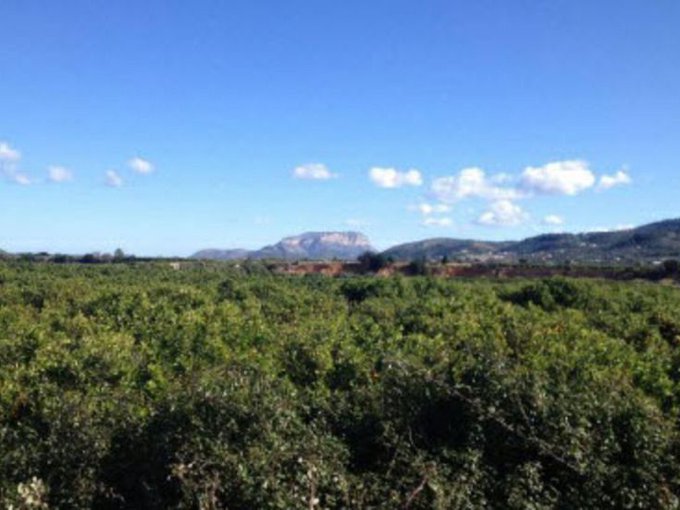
<point x="166" y="127"/>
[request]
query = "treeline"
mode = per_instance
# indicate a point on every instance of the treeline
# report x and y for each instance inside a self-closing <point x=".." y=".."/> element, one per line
<point x="373" y="263"/>
<point x="378" y="263"/>
<point x="88" y="258"/>
<point x="140" y="386"/>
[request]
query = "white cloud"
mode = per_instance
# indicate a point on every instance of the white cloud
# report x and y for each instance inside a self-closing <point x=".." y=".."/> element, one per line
<point x="617" y="228"/>
<point x="20" y="178"/>
<point x="620" y="178"/>
<point x="558" y="178"/>
<point x="7" y="153"/>
<point x="113" y="179"/>
<point x="59" y="174"/>
<point x="141" y="165"/>
<point x="9" y="172"/>
<point x="315" y="171"/>
<point x="553" y="220"/>
<point x="9" y="158"/>
<point x="426" y="209"/>
<point x="503" y="213"/>
<point x="437" y="222"/>
<point x="393" y="178"/>
<point x="502" y="191"/>
<point x="472" y="183"/>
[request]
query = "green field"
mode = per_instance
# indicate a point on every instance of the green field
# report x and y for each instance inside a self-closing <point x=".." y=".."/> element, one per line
<point x="141" y="386"/>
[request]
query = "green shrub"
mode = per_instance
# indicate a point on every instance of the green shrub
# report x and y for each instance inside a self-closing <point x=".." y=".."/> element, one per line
<point x="134" y="386"/>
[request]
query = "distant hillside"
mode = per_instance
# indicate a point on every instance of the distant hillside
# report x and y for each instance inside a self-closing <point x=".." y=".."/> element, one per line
<point x="310" y="245"/>
<point x="648" y="243"/>
<point x="443" y="247"/>
<point x="215" y="254"/>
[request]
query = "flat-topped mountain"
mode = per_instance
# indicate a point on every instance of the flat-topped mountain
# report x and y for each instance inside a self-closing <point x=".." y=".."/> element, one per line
<point x="318" y="246"/>
<point x="310" y="245"/>
<point x="648" y="243"/>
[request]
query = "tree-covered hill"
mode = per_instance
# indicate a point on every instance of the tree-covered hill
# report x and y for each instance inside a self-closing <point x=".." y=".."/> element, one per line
<point x="649" y="242"/>
<point x="437" y="248"/>
<point x="645" y="244"/>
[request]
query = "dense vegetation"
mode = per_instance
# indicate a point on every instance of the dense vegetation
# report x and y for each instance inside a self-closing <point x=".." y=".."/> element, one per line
<point x="139" y="386"/>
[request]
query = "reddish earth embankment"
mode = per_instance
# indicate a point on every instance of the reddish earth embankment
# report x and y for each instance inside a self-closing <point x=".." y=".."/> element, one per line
<point x="453" y="270"/>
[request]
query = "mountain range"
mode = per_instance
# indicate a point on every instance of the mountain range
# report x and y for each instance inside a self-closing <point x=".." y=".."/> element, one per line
<point x="648" y="243"/>
<point x="310" y="245"/>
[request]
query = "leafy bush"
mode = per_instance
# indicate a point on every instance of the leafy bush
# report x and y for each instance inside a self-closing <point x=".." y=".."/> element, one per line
<point x="373" y="262"/>
<point x="550" y="294"/>
<point x="136" y="386"/>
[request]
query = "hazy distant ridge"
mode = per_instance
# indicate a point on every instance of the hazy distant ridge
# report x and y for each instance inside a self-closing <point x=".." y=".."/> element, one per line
<point x="310" y="245"/>
<point x="647" y="243"/>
